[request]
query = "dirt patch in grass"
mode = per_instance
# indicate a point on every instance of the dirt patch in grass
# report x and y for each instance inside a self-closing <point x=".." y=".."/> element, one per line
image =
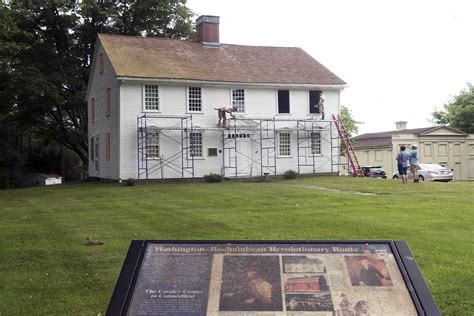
<point x="316" y="187"/>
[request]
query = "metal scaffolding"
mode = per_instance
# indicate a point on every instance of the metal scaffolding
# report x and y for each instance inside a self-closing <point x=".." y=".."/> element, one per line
<point x="261" y="133"/>
<point x="311" y="137"/>
<point x="178" y="129"/>
<point x="249" y="145"/>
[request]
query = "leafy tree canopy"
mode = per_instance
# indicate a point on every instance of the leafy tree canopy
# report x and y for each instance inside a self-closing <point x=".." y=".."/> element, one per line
<point x="46" y="49"/>
<point x="459" y="112"/>
<point x="349" y="122"/>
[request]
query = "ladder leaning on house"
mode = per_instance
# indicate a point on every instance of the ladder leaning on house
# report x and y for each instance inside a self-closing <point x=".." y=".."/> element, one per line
<point x="346" y="142"/>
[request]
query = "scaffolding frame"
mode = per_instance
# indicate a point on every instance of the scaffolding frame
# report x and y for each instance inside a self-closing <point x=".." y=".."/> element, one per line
<point x="311" y="134"/>
<point x="258" y="132"/>
<point x="176" y="128"/>
<point x="262" y="132"/>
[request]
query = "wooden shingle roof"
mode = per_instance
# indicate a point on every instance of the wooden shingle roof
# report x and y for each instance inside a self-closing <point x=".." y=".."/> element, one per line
<point x="152" y="57"/>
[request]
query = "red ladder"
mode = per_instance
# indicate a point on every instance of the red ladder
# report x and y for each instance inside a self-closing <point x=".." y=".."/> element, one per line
<point x="346" y="141"/>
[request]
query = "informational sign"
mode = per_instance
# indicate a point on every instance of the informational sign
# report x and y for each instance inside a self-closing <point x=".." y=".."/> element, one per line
<point x="333" y="278"/>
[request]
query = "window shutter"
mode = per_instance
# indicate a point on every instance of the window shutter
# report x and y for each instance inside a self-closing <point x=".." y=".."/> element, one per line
<point x="91" y="148"/>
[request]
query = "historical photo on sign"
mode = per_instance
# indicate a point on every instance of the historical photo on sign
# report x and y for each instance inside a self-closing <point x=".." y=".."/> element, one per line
<point x="367" y="271"/>
<point x="347" y="308"/>
<point x="302" y="264"/>
<point x="251" y="283"/>
<point x="309" y="302"/>
<point x="307" y="283"/>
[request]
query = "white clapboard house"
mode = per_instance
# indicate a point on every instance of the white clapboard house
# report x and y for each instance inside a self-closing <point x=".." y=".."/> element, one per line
<point x="152" y="101"/>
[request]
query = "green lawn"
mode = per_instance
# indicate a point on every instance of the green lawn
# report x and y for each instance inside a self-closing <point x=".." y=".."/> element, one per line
<point x="47" y="268"/>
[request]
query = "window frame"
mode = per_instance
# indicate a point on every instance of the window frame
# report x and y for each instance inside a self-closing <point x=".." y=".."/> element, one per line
<point x="144" y="97"/>
<point x="313" y="151"/>
<point x="157" y="144"/>
<point x="318" y="110"/>
<point x="188" y="99"/>
<point x="233" y="101"/>
<point x="278" y="101"/>
<point x="191" y="145"/>
<point x="280" y="144"/>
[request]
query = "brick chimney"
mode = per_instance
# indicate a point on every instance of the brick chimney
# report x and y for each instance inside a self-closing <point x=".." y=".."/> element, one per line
<point x="208" y="30"/>
<point x="401" y="125"/>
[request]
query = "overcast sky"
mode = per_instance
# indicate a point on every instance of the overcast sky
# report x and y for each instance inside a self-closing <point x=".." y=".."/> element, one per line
<point x="401" y="59"/>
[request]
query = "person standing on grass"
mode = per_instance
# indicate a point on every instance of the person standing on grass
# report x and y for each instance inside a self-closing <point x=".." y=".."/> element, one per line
<point x="402" y="164"/>
<point x="414" y="161"/>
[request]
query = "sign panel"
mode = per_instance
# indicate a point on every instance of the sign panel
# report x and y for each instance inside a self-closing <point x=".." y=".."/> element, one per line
<point x="271" y="278"/>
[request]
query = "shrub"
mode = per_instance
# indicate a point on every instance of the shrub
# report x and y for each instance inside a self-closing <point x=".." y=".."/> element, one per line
<point x="212" y="178"/>
<point x="130" y="182"/>
<point x="290" y="174"/>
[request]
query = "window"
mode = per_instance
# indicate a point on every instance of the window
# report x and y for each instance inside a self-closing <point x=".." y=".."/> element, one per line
<point x="152" y="143"/>
<point x="284" y="148"/>
<point x="194" y="99"/>
<point x="315" y="143"/>
<point x="238" y="99"/>
<point x="241" y="135"/>
<point x="107" y="102"/>
<point x="92" y="110"/>
<point x="107" y="146"/>
<point x="196" y="145"/>
<point x="101" y="63"/>
<point x="283" y="101"/>
<point x="152" y="100"/>
<point x="314" y="102"/>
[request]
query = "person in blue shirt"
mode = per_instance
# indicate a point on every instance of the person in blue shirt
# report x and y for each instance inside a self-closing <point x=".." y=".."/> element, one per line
<point x="414" y="163"/>
<point x="402" y="164"/>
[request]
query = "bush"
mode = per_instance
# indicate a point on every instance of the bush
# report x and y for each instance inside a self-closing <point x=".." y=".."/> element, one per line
<point x="130" y="182"/>
<point x="290" y="174"/>
<point x="212" y="178"/>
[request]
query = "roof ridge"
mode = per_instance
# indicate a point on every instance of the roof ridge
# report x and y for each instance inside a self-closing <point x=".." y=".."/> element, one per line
<point x="191" y="41"/>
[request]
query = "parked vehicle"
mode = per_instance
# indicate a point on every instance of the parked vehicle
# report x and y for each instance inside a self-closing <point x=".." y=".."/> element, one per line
<point x="430" y="172"/>
<point x="374" y="172"/>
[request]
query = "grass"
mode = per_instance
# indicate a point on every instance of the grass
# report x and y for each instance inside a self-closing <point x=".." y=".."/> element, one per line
<point x="47" y="268"/>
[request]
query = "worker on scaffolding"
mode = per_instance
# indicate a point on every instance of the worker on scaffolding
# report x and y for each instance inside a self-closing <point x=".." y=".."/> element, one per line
<point x="321" y="104"/>
<point x="222" y="115"/>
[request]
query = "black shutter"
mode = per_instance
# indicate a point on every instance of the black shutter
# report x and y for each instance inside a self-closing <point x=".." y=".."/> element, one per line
<point x="314" y="101"/>
<point x="91" y="148"/>
<point x="283" y="101"/>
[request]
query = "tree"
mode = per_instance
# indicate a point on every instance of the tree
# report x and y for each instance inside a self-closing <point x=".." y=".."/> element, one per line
<point x="46" y="49"/>
<point x="349" y="122"/>
<point x="459" y="112"/>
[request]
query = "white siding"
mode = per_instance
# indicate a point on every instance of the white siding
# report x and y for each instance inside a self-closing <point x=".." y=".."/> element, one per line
<point x="103" y="123"/>
<point x="259" y="102"/>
